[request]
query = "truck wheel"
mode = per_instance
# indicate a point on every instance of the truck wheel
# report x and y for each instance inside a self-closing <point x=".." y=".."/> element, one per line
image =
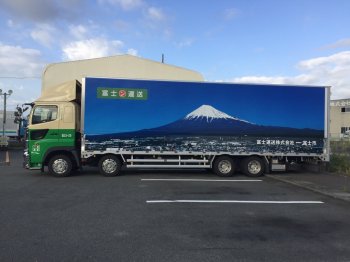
<point x="60" y="166"/>
<point x="109" y="165"/>
<point x="224" y="166"/>
<point x="253" y="166"/>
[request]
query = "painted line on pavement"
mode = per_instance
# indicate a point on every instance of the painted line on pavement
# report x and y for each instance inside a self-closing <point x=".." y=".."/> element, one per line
<point x="203" y="180"/>
<point x="7" y="159"/>
<point x="233" y="201"/>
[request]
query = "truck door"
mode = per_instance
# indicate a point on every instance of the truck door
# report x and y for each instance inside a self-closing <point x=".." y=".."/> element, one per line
<point x="67" y="125"/>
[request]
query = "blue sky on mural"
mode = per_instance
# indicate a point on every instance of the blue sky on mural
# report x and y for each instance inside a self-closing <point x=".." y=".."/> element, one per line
<point x="167" y="102"/>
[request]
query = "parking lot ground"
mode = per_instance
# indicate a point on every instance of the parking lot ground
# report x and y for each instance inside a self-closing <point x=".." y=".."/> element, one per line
<point x="88" y="217"/>
<point x="333" y="185"/>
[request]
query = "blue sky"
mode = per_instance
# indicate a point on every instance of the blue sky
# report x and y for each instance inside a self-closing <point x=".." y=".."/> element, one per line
<point x="286" y="42"/>
<point x="273" y="105"/>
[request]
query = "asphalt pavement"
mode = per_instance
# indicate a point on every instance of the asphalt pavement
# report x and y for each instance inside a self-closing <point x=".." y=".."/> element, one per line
<point x="329" y="184"/>
<point x="166" y="216"/>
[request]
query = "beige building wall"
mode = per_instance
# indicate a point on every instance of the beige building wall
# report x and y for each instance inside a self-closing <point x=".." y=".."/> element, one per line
<point x="339" y="117"/>
<point x="120" y="66"/>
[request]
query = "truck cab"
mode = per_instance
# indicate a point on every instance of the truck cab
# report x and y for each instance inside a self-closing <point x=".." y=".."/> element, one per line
<point x="53" y="137"/>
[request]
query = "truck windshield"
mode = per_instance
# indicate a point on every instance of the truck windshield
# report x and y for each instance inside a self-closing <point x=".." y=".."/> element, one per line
<point x="44" y="114"/>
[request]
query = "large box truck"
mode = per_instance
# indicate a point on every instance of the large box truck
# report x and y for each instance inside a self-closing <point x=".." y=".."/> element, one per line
<point x="130" y="123"/>
<point x="8" y="128"/>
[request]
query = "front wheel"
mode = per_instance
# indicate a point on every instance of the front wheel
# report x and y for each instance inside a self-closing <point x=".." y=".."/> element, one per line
<point x="110" y="165"/>
<point x="224" y="166"/>
<point x="60" y="166"/>
<point x="253" y="166"/>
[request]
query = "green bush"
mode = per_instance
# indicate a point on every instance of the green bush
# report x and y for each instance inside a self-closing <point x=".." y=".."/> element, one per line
<point x="340" y="147"/>
<point x="340" y="164"/>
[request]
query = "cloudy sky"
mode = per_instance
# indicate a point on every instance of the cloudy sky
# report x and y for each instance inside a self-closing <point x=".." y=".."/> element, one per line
<point x="285" y="42"/>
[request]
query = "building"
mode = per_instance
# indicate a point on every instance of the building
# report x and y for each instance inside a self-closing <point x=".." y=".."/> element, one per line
<point x="339" y="118"/>
<point x="119" y="66"/>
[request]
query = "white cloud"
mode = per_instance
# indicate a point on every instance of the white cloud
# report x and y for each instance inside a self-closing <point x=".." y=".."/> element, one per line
<point x="124" y="4"/>
<point x="325" y="62"/>
<point x="152" y="15"/>
<point x="122" y="25"/>
<point x="41" y="10"/>
<point x="132" y="51"/>
<point x="339" y="44"/>
<point x="44" y="34"/>
<point x="16" y="61"/>
<point x="18" y="66"/>
<point x="185" y="43"/>
<point x="10" y="23"/>
<point x="37" y="10"/>
<point x="24" y="91"/>
<point x="78" y="31"/>
<point x="330" y="70"/>
<point x="230" y="13"/>
<point x="92" y="48"/>
<point x="155" y="14"/>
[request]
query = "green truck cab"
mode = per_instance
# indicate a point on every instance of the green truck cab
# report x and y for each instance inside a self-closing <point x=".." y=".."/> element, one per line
<point x="53" y="136"/>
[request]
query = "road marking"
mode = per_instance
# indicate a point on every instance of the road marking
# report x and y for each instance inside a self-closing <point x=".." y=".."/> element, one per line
<point x="204" y="180"/>
<point x="233" y="201"/>
<point x="7" y="159"/>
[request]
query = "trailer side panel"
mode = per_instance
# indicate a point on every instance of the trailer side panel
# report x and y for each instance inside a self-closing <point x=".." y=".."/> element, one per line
<point x="212" y="118"/>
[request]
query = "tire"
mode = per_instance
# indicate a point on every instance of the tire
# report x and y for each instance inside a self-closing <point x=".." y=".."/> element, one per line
<point x="224" y="166"/>
<point x="60" y="166"/>
<point x="110" y="165"/>
<point x="253" y="166"/>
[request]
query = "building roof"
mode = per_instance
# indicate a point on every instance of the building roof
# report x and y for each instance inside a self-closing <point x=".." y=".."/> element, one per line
<point x="119" y="66"/>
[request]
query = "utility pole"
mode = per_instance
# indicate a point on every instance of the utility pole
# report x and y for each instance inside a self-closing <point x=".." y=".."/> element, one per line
<point x="4" y="113"/>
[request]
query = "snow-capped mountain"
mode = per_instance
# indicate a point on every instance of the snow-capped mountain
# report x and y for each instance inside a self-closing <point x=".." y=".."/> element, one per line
<point x="209" y="113"/>
<point x="209" y="121"/>
<point x="205" y="120"/>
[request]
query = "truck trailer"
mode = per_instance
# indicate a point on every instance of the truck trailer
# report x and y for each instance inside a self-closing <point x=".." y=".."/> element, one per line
<point x="9" y="127"/>
<point x="115" y="124"/>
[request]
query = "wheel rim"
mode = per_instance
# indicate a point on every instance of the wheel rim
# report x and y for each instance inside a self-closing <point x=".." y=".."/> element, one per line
<point x="225" y="166"/>
<point x="109" y="166"/>
<point x="60" y="166"/>
<point x="254" y="167"/>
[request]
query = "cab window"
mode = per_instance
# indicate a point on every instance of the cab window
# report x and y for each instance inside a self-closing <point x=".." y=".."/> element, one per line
<point x="43" y="114"/>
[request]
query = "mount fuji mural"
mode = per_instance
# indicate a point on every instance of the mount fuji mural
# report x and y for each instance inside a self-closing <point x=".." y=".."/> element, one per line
<point x="209" y="121"/>
<point x="203" y="117"/>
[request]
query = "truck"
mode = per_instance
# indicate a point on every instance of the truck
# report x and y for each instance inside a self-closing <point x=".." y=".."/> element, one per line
<point x="118" y="124"/>
<point x="9" y="129"/>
